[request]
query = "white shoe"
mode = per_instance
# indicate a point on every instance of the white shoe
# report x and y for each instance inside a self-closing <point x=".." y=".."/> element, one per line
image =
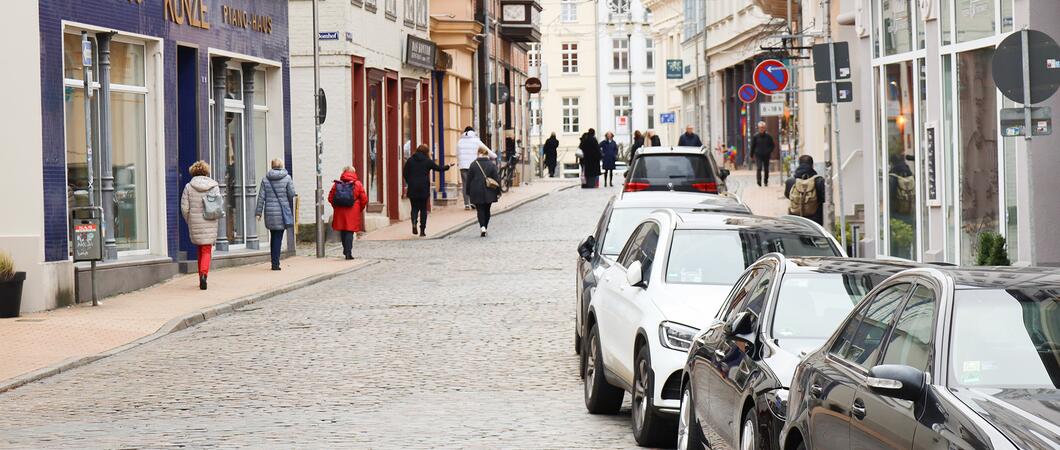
<point x="467" y="207"/>
<point x="483" y="230"/>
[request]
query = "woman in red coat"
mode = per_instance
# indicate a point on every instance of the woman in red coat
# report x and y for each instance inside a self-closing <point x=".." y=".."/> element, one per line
<point x="348" y="199"/>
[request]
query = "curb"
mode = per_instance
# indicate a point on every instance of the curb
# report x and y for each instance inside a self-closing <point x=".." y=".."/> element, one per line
<point x="460" y="227"/>
<point x="179" y="323"/>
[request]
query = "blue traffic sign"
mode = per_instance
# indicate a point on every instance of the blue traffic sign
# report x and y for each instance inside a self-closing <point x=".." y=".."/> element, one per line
<point x="771" y="76"/>
<point x="668" y="118"/>
<point x="747" y="93"/>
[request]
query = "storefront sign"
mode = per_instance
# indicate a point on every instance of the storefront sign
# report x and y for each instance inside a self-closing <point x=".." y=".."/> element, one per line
<point x="420" y="52"/>
<point x="246" y="20"/>
<point x="770" y="109"/>
<point x="674" y="69"/>
<point x="930" y="164"/>
<point x="192" y="12"/>
<point x="328" y="35"/>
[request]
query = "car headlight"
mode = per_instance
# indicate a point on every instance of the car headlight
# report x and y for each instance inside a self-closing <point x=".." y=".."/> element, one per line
<point x="676" y="336"/>
<point x="777" y="400"/>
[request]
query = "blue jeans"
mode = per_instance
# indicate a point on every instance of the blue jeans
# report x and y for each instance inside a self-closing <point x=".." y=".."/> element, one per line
<point x="276" y="245"/>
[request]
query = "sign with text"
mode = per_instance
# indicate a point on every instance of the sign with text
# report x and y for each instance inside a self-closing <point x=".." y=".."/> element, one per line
<point x="844" y="91"/>
<point x="1013" y="121"/>
<point x="770" y="109"/>
<point x="931" y="163"/>
<point x="674" y="69"/>
<point x="822" y="61"/>
<point x="668" y="117"/>
<point x="328" y="35"/>
<point x="420" y="52"/>
<point x="192" y="12"/>
<point x="622" y="124"/>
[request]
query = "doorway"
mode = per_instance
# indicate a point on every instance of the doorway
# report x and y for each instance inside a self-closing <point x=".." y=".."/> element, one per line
<point x="187" y="130"/>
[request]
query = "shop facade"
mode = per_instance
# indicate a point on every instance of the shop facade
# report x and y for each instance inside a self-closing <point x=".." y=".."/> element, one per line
<point x="158" y="69"/>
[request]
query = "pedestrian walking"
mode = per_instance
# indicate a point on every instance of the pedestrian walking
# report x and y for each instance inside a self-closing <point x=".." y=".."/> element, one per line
<point x="276" y="205"/>
<point x="418" y="178"/>
<point x="202" y="206"/>
<point x="638" y="142"/>
<point x="551" y="146"/>
<point x="609" y="157"/>
<point x="590" y="149"/>
<point x="466" y="152"/>
<point x="652" y="139"/>
<point x="348" y="199"/>
<point x="762" y="146"/>
<point x="483" y="187"/>
<point x="805" y="191"/>
<point x="689" y="139"/>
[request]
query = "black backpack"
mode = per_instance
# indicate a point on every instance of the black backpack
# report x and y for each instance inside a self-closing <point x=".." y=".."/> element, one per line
<point x="344" y="194"/>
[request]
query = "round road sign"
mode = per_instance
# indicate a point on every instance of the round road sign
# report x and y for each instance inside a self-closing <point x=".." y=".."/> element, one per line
<point x="1044" y="66"/>
<point x="747" y="93"/>
<point x="533" y="85"/>
<point x="770" y="76"/>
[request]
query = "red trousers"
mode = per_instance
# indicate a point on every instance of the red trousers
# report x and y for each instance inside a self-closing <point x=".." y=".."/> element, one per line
<point x="205" y="253"/>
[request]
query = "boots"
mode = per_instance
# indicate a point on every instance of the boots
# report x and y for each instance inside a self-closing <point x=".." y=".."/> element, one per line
<point x="202" y="282"/>
<point x="423" y="231"/>
<point x="414" y="228"/>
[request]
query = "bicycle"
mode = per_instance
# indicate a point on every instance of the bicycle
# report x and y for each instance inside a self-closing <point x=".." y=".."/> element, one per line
<point x="507" y="173"/>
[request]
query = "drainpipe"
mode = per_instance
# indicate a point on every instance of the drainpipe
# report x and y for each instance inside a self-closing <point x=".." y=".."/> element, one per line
<point x="440" y="123"/>
<point x="219" y="153"/>
<point x="249" y="154"/>
<point x="110" y="245"/>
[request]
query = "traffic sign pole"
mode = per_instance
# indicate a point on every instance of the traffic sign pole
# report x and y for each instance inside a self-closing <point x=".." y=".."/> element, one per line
<point x="1026" y="86"/>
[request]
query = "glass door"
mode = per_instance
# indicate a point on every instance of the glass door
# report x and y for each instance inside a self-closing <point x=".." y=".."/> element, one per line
<point x="977" y="140"/>
<point x="236" y="194"/>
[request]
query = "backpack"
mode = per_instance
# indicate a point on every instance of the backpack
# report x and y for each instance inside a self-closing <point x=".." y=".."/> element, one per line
<point x="905" y="195"/>
<point x="344" y="194"/>
<point x="802" y="199"/>
<point x="213" y="205"/>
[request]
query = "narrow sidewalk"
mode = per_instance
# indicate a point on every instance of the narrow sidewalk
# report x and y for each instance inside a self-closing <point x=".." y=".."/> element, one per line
<point x="444" y="220"/>
<point x="41" y="344"/>
<point x="763" y="200"/>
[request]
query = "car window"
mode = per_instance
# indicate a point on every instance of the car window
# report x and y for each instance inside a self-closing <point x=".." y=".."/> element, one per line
<point x="720" y="256"/>
<point x="647" y="250"/>
<point x="863" y="334"/>
<point x="910" y="341"/>
<point x="601" y="228"/>
<point x="790" y="244"/>
<point x="1019" y="349"/>
<point x="620" y="227"/>
<point x="810" y="306"/>
<point x="675" y="167"/>
<point x="741" y="284"/>
<point x="632" y="249"/>
<point x="738" y="296"/>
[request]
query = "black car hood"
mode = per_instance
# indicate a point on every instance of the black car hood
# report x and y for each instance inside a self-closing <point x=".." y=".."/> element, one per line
<point x="1030" y="418"/>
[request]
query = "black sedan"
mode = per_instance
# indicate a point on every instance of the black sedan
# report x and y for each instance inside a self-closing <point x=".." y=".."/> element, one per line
<point x="738" y="370"/>
<point x="953" y="358"/>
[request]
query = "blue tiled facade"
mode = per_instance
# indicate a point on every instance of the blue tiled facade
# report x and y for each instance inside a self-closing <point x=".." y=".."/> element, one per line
<point x="149" y="18"/>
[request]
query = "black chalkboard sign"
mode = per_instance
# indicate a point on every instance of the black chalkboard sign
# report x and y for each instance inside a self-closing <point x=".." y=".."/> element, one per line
<point x="87" y="239"/>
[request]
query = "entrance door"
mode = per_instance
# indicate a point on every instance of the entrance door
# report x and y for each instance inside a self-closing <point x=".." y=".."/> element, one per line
<point x="234" y="178"/>
<point x="977" y="149"/>
<point x="187" y="128"/>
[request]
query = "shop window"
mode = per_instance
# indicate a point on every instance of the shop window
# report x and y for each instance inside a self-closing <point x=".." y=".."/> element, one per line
<point x="570" y="115"/>
<point x="374" y="177"/>
<point x="899" y="156"/>
<point x="922" y="166"/>
<point x="1006" y="16"/>
<point x="128" y="111"/>
<point x="977" y="148"/>
<point x="974" y="19"/>
<point x="897" y="26"/>
<point x="946" y="21"/>
<point x="948" y="163"/>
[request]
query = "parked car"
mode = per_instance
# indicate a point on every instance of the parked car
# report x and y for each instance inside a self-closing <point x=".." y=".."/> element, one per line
<point x="739" y="368"/>
<point x="936" y="358"/>
<point x="689" y="169"/>
<point x="598" y="251"/>
<point x="643" y="316"/>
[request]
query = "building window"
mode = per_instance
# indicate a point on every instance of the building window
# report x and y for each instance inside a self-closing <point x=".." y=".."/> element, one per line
<point x="622" y="106"/>
<point x="410" y="12"/>
<point x="650" y="103"/>
<point x="128" y="109"/>
<point x="570" y="115"/>
<point x="261" y="137"/>
<point x="535" y="117"/>
<point x="899" y="155"/>
<point x="533" y="56"/>
<point x="695" y="10"/>
<point x="619" y="8"/>
<point x="569" y="57"/>
<point x="620" y="54"/>
<point x="974" y="19"/>
<point x="422" y="14"/>
<point x="568" y="11"/>
<point x="371" y="5"/>
<point x="391" y="9"/>
<point x="649" y="54"/>
<point x="898" y="37"/>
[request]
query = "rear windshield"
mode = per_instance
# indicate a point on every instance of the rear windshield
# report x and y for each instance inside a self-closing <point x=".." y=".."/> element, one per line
<point x="674" y="167"/>
<point x="720" y="256"/>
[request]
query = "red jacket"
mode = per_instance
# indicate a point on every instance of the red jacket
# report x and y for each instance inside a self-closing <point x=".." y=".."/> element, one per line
<point x="349" y="218"/>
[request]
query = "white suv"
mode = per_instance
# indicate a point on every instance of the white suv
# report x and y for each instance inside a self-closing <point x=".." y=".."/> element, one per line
<point x="643" y="316"/>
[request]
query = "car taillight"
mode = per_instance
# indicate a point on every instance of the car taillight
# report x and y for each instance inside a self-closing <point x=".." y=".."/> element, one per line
<point x="633" y="186"/>
<point x="711" y="188"/>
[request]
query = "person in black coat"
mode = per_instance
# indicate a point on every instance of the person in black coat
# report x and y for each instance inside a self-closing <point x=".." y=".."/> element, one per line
<point x="418" y="179"/>
<point x="762" y="146"/>
<point x="689" y="139"/>
<point x="638" y="142"/>
<point x="551" y="145"/>
<point x="481" y="195"/>
<point x="803" y="172"/>
<point x="591" y="157"/>
<point x="653" y="139"/>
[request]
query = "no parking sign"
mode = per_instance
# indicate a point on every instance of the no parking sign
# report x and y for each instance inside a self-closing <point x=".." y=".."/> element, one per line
<point x="771" y="76"/>
<point x="747" y="93"/>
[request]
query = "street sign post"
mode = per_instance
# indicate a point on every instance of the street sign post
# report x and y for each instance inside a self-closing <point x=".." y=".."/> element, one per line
<point x="770" y="76"/>
<point x="747" y="93"/>
<point x="1042" y="63"/>
<point x="770" y="109"/>
<point x="822" y="62"/>
<point x="622" y="124"/>
<point x="844" y="92"/>
<point x="1013" y="122"/>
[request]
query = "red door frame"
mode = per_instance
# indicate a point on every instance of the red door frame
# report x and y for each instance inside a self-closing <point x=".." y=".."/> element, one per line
<point x="392" y="145"/>
<point x="358" y="147"/>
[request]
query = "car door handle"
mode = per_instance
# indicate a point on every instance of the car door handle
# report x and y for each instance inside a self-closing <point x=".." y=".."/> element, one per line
<point x="858" y="409"/>
<point x="815" y="390"/>
<point x="719" y="353"/>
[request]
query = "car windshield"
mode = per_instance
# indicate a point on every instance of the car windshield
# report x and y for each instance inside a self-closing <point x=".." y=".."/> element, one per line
<point x="675" y="167"/>
<point x="620" y="226"/>
<point x="720" y="256"/>
<point x="1020" y="348"/>
<point x="811" y="306"/>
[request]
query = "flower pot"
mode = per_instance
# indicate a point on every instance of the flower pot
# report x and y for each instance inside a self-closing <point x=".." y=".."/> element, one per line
<point x="11" y="295"/>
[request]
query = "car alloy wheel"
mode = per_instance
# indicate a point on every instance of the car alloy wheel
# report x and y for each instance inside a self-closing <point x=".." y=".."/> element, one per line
<point x="590" y="367"/>
<point x="684" y="419"/>
<point x="747" y="433"/>
<point x="640" y="394"/>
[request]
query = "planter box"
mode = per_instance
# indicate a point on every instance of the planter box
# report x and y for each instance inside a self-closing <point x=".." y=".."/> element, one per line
<point x="11" y="295"/>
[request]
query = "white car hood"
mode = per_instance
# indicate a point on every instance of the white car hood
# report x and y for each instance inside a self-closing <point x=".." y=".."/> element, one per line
<point x="694" y="305"/>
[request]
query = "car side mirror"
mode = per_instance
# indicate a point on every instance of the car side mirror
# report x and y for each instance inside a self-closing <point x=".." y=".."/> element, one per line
<point x="741" y="324"/>
<point x="634" y="276"/>
<point x="724" y="173"/>
<point x="585" y="250"/>
<point x="897" y="381"/>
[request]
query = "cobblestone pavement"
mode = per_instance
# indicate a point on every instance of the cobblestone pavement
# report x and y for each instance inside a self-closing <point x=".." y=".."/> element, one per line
<point x="458" y="342"/>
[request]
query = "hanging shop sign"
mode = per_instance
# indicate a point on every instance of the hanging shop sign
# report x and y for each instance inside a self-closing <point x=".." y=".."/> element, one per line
<point x="674" y="69"/>
<point x="420" y="52"/>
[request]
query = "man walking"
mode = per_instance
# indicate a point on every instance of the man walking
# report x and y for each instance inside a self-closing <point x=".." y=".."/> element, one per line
<point x="689" y="139"/>
<point x="466" y="153"/>
<point x="762" y="146"/>
<point x="551" y="145"/>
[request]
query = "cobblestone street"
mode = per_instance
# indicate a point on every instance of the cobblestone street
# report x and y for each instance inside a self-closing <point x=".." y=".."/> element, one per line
<point x="456" y="342"/>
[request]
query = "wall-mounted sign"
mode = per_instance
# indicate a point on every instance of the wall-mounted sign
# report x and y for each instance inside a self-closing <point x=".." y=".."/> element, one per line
<point x="674" y="69"/>
<point x="328" y="35"/>
<point x="192" y="12"/>
<point x="668" y="117"/>
<point x="533" y="85"/>
<point x="420" y="52"/>
<point x="246" y="20"/>
<point x="930" y="164"/>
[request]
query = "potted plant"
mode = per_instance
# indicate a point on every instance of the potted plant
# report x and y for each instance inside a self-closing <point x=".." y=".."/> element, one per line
<point x="991" y="250"/>
<point x="10" y="287"/>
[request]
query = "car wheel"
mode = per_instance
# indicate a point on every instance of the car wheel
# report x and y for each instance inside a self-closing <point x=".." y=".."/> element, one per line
<point x="650" y="428"/>
<point x="577" y="340"/>
<point x="749" y="431"/>
<point x="600" y="397"/>
<point x="689" y="433"/>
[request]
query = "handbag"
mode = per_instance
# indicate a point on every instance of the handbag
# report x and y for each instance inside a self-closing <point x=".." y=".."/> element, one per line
<point x="490" y="182"/>
<point x="288" y="217"/>
<point x="213" y="205"/>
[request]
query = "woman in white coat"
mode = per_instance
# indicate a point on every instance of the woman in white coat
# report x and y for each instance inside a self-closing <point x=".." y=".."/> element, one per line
<point x="202" y="231"/>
